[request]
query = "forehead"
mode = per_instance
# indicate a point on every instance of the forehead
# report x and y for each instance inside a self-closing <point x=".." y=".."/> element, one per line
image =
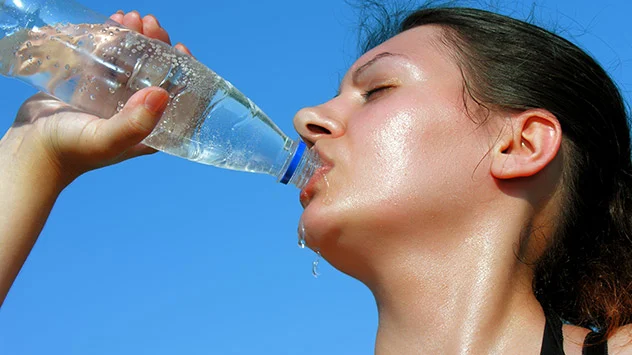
<point x="422" y="45"/>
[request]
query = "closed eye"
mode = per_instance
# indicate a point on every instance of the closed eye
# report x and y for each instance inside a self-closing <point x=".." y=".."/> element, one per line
<point x="376" y="92"/>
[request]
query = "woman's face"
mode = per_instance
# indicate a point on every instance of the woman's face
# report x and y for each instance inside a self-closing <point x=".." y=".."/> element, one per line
<point x="403" y="159"/>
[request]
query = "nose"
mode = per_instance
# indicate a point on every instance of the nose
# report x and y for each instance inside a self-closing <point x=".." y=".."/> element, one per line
<point x="312" y="124"/>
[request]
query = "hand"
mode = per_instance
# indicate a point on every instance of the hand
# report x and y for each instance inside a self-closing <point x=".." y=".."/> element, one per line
<point x="52" y="143"/>
<point x="70" y="142"/>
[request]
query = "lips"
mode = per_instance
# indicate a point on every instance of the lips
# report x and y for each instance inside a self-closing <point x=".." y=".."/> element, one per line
<point x="311" y="187"/>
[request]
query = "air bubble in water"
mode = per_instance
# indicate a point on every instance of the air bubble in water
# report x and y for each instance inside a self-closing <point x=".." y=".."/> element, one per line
<point x="48" y="57"/>
<point x="91" y="36"/>
<point x="28" y="44"/>
<point x="92" y="97"/>
<point x="111" y="90"/>
<point x="128" y="74"/>
<point x="67" y="66"/>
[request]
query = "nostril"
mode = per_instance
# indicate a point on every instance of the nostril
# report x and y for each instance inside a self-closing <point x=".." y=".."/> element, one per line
<point x="317" y="129"/>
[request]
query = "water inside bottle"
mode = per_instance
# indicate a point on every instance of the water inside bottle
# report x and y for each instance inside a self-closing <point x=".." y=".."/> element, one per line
<point x="97" y="67"/>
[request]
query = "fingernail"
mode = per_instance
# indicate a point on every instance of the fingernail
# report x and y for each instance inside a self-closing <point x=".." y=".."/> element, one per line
<point x="155" y="19"/>
<point x="120" y="12"/>
<point x="182" y="49"/>
<point x="156" y="101"/>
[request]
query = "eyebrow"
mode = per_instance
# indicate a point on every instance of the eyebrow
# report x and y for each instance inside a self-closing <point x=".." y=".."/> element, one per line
<point x="363" y="67"/>
<point x="366" y="65"/>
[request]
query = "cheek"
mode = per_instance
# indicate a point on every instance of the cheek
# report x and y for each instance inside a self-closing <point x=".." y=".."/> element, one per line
<point x="394" y="152"/>
<point x="422" y="158"/>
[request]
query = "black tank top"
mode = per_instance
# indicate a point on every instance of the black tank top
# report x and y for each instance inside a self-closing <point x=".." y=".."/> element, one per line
<point x="553" y="340"/>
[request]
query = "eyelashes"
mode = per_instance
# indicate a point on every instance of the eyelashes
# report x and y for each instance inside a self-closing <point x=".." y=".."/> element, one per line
<point x="376" y="92"/>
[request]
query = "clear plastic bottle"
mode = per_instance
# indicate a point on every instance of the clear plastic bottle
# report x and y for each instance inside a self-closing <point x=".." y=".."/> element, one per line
<point x="95" y="64"/>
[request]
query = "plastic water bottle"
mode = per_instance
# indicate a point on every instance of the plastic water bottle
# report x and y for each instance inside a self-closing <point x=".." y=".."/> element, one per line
<point x="87" y="60"/>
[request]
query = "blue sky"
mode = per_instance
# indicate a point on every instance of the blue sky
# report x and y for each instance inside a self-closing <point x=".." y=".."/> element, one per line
<point x="160" y="255"/>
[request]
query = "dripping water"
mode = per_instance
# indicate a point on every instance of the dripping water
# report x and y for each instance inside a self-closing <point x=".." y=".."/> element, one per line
<point x="315" y="264"/>
<point x="301" y="234"/>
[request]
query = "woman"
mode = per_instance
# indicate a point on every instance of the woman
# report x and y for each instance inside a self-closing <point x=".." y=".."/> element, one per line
<point x="479" y="190"/>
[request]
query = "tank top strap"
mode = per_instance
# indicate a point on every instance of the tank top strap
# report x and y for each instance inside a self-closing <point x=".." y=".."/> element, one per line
<point x="594" y="344"/>
<point x="553" y="339"/>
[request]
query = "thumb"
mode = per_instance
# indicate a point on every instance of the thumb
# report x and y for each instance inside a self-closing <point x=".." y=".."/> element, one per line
<point x="137" y="119"/>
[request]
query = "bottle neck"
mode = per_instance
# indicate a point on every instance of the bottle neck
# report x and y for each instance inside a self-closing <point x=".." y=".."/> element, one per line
<point x="301" y="166"/>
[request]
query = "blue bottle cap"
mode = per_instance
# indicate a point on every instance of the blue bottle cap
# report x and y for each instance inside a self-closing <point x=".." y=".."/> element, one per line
<point x="294" y="163"/>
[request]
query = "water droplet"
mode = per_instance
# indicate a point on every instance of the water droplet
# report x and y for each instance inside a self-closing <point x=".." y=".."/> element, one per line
<point x="91" y="26"/>
<point x="91" y="36"/>
<point x="92" y="97"/>
<point x="111" y="33"/>
<point x="47" y="57"/>
<point x="118" y="109"/>
<point x="67" y="66"/>
<point x="118" y="30"/>
<point x="112" y="90"/>
<point x="30" y="56"/>
<point x="39" y="62"/>
<point x="301" y="234"/>
<point x="128" y="74"/>
<point x="28" y="44"/>
<point x="56" y="65"/>
<point x="97" y="88"/>
<point x="315" y="264"/>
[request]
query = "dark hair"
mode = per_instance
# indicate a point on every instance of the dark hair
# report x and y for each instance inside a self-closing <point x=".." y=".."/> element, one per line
<point x="585" y="275"/>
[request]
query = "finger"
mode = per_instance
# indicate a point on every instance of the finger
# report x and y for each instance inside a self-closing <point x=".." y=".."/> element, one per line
<point x="132" y="21"/>
<point x="118" y="18"/>
<point x="133" y="152"/>
<point x="182" y="48"/>
<point x="152" y="29"/>
<point x="130" y="126"/>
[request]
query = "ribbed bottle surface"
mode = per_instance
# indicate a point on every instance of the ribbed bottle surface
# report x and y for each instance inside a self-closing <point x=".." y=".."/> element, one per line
<point x="97" y="67"/>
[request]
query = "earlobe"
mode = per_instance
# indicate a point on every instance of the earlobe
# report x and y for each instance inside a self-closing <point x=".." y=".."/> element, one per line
<point x="527" y="144"/>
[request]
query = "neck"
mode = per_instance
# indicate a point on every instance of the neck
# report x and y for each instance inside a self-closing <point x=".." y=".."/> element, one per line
<point x="473" y="297"/>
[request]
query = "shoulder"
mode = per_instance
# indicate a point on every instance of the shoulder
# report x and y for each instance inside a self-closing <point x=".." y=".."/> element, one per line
<point x="620" y="343"/>
<point x="574" y="339"/>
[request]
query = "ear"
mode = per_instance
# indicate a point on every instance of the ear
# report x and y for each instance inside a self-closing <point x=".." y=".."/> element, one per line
<point x="527" y="144"/>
